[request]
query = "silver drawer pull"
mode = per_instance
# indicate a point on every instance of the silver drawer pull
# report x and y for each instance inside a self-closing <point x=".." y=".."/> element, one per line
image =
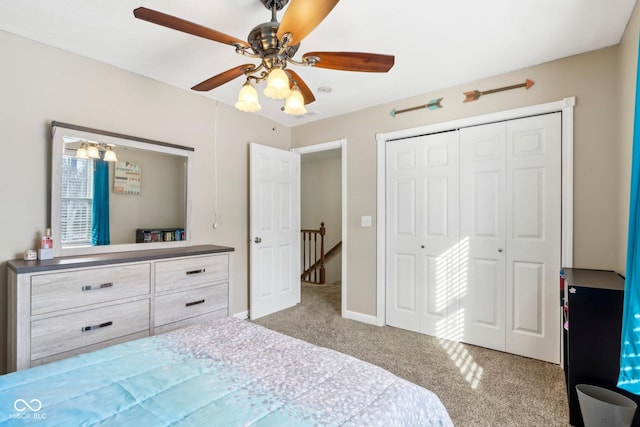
<point x="189" y="304"/>
<point x="101" y="325"/>
<point x="95" y="287"/>
<point x="202" y="270"/>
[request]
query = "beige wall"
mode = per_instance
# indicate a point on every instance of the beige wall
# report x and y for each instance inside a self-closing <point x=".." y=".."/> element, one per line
<point x="592" y="78"/>
<point x="40" y="84"/>
<point x="160" y="201"/>
<point x="628" y="59"/>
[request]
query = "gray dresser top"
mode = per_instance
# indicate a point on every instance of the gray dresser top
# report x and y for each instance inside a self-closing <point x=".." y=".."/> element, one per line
<point x="79" y="261"/>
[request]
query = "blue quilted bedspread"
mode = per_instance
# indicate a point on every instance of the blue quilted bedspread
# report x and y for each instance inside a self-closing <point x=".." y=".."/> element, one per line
<point x="227" y="372"/>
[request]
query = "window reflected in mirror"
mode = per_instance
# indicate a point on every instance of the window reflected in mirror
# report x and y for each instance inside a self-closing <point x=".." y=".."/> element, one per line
<point x="76" y="200"/>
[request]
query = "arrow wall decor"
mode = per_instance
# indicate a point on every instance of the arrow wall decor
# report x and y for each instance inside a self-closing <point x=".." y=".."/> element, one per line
<point x="434" y="104"/>
<point x="475" y="94"/>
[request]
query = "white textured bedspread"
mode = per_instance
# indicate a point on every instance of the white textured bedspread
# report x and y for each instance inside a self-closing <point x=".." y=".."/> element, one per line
<point x="227" y="372"/>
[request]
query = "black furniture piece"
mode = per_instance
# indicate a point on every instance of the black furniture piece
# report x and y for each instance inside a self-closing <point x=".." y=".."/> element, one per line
<point x="593" y="308"/>
<point x="159" y="235"/>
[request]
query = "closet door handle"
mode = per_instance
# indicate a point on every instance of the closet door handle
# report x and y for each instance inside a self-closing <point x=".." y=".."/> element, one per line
<point x="93" y="327"/>
<point x="96" y="287"/>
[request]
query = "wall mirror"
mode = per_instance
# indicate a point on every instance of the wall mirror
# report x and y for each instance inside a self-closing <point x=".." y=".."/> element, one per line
<point x="112" y="192"/>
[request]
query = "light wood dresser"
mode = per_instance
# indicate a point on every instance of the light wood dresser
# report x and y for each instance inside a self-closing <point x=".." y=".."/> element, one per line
<point x="70" y="305"/>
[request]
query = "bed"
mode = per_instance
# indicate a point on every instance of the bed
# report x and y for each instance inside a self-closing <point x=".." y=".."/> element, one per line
<point x="226" y="372"/>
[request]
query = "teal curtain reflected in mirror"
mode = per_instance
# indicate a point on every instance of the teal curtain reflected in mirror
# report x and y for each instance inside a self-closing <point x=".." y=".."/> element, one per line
<point x="100" y="218"/>
<point x="629" y="378"/>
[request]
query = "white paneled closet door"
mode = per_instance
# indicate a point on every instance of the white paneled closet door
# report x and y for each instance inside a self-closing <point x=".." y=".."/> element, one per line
<point x="422" y="234"/>
<point x="473" y="235"/>
<point x="482" y="231"/>
<point x="534" y="168"/>
<point x="510" y="189"/>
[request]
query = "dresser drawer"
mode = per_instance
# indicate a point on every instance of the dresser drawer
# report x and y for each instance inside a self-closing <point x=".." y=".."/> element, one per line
<point x="178" y="273"/>
<point x="60" y="291"/>
<point x="194" y="302"/>
<point x="58" y="334"/>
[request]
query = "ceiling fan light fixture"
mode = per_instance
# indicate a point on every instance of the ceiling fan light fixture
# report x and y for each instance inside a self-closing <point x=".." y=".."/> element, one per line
<point x="294" y="103"/>
<point x="275" y="45"/>
<point x="277" y="84"/>
<point x="110" y="155"/>
<point x="248" y="99"/>
<point x="93" y="152"/>
<point x="81" y="153"/>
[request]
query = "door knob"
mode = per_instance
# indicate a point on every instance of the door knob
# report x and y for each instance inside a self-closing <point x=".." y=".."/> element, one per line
<point x="257" y="240"/>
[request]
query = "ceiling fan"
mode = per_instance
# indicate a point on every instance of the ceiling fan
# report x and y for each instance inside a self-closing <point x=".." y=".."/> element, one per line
<point x="275" y="44"/>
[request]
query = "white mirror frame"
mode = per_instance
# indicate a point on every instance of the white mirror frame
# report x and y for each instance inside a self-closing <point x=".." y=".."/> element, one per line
<point x="58" y="131"/>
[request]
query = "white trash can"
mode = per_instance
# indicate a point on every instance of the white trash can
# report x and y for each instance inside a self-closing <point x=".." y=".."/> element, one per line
<point x="603" y="407"/>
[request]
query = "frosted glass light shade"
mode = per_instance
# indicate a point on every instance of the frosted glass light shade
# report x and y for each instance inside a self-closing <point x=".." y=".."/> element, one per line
<point x="294" y="104"/>
<point x="81" y="153"/>
<point x="248" y="99"/>
<point x="110" y="155"/>
<point x="277" y="84"/>
<point x="93" y="152"/>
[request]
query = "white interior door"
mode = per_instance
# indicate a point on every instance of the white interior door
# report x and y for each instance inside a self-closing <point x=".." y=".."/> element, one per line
<point x="482" y="231"/>
<point x="511" y="218"/>
<point x="422" y="234"/>
<point x="274" y="230"/>
<point x="534" y="236"/>
<point x="474" y="235"/>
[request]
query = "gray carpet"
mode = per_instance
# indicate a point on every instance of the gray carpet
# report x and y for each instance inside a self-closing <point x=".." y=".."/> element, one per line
<point x="478" y="386"/>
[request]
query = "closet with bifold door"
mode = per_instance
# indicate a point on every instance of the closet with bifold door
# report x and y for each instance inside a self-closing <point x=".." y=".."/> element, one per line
<point x="473" y="232"/>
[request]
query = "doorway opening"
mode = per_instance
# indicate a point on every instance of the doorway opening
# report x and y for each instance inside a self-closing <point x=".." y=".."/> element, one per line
<point x="323" y="207"/>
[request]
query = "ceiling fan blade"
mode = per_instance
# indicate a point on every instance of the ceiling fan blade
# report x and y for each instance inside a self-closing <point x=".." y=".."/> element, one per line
<point x="188" y="27"/>
<point x="222" y="78"/>
<point x="302" y="16"/>
<point x="304" y="89"/>
<point x="353" y="61"/>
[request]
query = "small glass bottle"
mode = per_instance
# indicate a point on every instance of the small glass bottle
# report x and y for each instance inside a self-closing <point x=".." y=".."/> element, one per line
<point x="47" y="241"/>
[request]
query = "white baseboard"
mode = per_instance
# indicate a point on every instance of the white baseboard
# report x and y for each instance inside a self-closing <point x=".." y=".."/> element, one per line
<point x="364" y="318"/>
<point x="244" y="315"/>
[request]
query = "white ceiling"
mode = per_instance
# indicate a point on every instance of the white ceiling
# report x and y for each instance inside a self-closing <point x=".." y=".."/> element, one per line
<point x="437" y="44"/>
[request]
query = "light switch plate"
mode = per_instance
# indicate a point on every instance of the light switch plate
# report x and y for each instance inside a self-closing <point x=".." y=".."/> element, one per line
<point x="365" y="221"/>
